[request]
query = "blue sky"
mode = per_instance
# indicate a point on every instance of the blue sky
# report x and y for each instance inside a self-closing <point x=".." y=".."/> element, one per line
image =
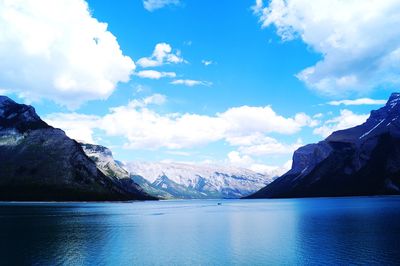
<point x="232" y="82"/>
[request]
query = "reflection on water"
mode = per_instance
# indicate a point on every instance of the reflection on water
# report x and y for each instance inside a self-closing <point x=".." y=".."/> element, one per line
<point x="252" y="232"/>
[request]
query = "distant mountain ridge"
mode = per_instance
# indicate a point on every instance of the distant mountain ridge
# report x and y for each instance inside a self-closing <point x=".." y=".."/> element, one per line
<point x="363" y="160"/>
<point x="40" y="163"/>
<point x="179" y="180"/>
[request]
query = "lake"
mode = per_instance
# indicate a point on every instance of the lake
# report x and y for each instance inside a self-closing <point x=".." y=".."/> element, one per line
<point x="360" y="230"/>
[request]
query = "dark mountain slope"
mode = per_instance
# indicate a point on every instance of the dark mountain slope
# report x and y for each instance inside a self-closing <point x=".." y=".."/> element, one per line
<point x="40" y="163"/>
<point x="364" y="160"/>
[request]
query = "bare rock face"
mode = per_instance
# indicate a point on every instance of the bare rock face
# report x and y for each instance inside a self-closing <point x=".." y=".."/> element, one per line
<point x="363" y="160"/>
<point x="40" y="163"/>
<point x="105" y="162"/>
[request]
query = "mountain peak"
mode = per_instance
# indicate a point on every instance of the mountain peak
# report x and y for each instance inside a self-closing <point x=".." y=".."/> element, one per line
<point x="19" y="116"/>
<point x="4" y="100"/>
<point x="393" y="100"/>
<point x="390" y="112"/>
<point x="394" y="96"/>
<point x="96" y="150"/>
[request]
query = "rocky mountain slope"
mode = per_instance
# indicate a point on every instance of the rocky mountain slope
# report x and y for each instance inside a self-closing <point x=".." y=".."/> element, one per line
<point x="40" y="163"/>
<point x="363" y="160"/>
<point x="105" y="162"/>
<point x="178" y="180"/>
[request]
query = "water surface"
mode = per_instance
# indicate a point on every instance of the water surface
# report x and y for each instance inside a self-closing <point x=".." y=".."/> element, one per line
<point x="200" y="232"/>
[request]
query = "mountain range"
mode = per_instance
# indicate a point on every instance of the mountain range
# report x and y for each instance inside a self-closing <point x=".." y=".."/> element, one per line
<point x="363" y="160"/>
<point x="179" y="180"/>
<point x="39" y="162"/>
<point x="182" y="180"/>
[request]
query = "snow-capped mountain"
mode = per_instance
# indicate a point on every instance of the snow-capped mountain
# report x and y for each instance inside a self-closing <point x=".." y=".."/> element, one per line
<point x="363" y="160"/>
<point x="179" y="180"/>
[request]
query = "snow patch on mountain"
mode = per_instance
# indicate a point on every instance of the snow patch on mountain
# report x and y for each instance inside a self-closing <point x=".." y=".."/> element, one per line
<point x="372" y="129"/>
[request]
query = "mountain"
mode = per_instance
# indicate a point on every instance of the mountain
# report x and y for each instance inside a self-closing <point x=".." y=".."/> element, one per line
<point x="363" y="160"/>
<point x="178" y="180"/>
<point x="40" y="163"/>
<point x="105" y="162"/>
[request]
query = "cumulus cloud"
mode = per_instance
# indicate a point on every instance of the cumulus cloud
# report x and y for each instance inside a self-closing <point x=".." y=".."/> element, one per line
<point x="359" y="41"/>
<point x="346" y="119"/>
<point x="190" y="82"/>
<point x="77" y="126"/>
<point x="81" y="126"/>
<point x="152" y="5"/>
<point x="361" y="101"/>
<point x="57" y="50"/>
<point x="161" y="55"/>
<point x="271" y="170"/>
<point x="265" y="145"/>
<point x="153" y="74"/>
<point x="247" y="120"/>
<point x="235" y="158"/>
<point x="144" y="128"/>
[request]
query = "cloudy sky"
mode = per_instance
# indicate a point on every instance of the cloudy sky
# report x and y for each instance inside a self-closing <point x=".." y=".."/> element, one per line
<point x="227" y="82"/>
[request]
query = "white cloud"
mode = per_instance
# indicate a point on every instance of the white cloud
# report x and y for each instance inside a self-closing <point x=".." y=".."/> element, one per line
<point x="235" y="158"/>
<point x="81" y="126"/>
<point x="346" y="119"/>
<point x="152" y="5"/>
<point x="147" y="129"/>
<point x="247" y="120"/>
<point x="361" y="101"/>
<point x="190" y="82"/>
<point x="155" y="99"/>
<point x="359" y="40"/>
<point x="207" y="62"/>
<point x="144" y="128"/>
<point x="179" y="153"/>
<point x="153" y="74"/>
<point x="267" y="145"/>
<point x="57" y="50"/>
<point x="161" y="55"/>
<point x="271" y="170"/>
<point x="319" y="115"/>
<point x="77" y="126"/>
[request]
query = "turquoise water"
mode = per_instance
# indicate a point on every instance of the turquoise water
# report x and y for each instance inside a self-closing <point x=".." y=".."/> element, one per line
<point x="200" y="232"/>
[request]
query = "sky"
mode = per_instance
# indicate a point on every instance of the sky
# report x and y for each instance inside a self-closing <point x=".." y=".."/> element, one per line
<point x="243" y="83"/>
